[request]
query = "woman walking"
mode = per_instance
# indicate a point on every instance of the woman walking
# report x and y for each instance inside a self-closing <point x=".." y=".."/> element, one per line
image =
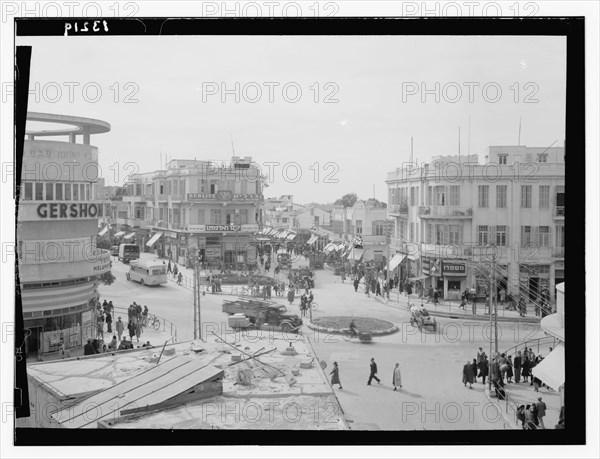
<point x="525" y="368"/>
<point x="335" y="378"/>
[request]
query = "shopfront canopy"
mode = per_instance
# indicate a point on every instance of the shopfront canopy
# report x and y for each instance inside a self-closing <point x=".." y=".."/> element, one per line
<point x="551" y="370"/>
<point x="129" y="236"/>
<point x="357" y="254"/>
<point x="103" y="232"/>
<point x="328" y="248"/>
<point x="312" y="239"/>
<point x="153" y="239"/>
<point x="291" y="236"/>
<point x="396" y="260"/>
<point x="120" y="234"/>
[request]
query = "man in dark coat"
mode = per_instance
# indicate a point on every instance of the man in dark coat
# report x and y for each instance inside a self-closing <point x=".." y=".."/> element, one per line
<point x="484" y="368"/>
<point x="468" y="375"/>
<point x="109" y="322"/>
<point x="517" y="367"/>
<point x="373" y="373"/>
<point x="356" y="282"/>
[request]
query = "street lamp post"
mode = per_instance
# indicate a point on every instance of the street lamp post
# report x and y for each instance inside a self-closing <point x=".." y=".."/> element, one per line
<point x="493" y="316"/>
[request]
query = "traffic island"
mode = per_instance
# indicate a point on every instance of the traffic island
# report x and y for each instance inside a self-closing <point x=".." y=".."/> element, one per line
<point x="336" y="324"/>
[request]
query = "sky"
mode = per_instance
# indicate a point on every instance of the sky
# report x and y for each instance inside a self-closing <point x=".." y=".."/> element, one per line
<point x="360" y="101"/>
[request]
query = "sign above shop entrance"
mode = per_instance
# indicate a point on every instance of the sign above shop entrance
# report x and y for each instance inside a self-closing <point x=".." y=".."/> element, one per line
<point x="453" y="269"/>
<point x="224" y="195"/>
<point x="223" y="227"/>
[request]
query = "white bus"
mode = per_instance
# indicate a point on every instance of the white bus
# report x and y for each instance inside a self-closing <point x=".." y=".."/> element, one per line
<point x="147" y="273"/>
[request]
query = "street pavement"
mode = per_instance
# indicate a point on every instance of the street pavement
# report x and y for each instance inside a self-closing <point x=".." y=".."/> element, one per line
<point x="433" y="396"/>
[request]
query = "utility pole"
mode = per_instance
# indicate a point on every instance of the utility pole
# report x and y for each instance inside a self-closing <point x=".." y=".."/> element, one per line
<point x="195" y="299"/>
<point x="493" y="295"/>
<point x="199" y="301"/>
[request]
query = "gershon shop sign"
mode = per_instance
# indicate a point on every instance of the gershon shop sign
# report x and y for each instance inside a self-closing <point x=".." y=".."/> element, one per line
<point x="73" y="210"/>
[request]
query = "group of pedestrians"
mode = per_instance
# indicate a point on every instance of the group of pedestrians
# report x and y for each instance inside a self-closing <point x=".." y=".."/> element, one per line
<point x="373" y="371"/>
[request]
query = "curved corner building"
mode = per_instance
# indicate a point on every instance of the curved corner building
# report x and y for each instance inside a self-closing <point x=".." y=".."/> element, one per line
<point x="56" y="234"/>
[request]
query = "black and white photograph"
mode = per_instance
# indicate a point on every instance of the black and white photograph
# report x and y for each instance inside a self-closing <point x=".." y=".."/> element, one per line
<point x="264" y="218"/>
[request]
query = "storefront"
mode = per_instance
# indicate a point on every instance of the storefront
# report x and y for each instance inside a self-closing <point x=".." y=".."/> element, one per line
<point x="223" y="245"/>
<point x="455" y="279"/>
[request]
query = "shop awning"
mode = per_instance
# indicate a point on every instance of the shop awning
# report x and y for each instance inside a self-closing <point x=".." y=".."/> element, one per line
<point x="337" y="247"/>
<point x="417" y="278"/>
<point x="551" y="370"/>
<point x="312" y="239"/>
<point x="396" y="260"/>
<point x="291" y="236"/>
<point x="103" y="232"/>
<point x="284" y="234"/>
<point x="120" y="233"/>
<point x="153" y="239"/>
<point x="357" y="254"/>
<point x="328" y="248"/>
<point x="129" y="236"/>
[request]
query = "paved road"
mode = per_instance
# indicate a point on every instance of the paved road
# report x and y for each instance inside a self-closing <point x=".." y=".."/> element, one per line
<point x="433" y="396"/>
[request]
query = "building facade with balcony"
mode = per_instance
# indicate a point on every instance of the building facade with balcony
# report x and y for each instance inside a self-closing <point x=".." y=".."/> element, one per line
<point x="195" y="207"/>
<point x="450" y="211"/>
<point x="58" y="215"/>
<point x="367" y="220"/>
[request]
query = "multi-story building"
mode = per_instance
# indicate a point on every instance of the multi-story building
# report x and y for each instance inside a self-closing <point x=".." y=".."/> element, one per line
<point x="277" y="211"/>
<point x="454" y="217"/>
<point x="367" y="220"/>
<point x="58" y="214"/>
<point x="311" y="216"/>
<point x="196" y="206"/>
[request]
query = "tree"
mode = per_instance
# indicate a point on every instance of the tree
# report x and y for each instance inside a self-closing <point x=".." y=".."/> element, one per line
<point x="348" y="200"/>
<point x="106" y="278"/>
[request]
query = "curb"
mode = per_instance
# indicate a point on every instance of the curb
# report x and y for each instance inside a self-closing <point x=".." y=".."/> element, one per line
<point x="387" y="331"/>
<point x="451" y="315"/>
<point x="507" y="419"/>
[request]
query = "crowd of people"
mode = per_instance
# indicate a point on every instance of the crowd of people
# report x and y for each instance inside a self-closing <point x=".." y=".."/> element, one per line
<point x="137" y="317"/>
<point x="503" y="369"/>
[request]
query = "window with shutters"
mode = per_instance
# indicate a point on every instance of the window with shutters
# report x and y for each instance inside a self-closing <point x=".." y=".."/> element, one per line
<point x="455" y="235"/>
<point x="484" y="192"/>
<point x="429" y="195"/>
<point x="244" y="187"/>
<point x="544" y="196"/>
<point x="501" y="239"/>
<point x="482" y="235"/>
<point x="525" y="236"/>
<point x="430" y="233"/>
<point x="440" y="196"/>
<point x="359" y="229"/>
<point x="501" y="196"/>
<point x="441" y="234"/>
<point x="526" y="196"/>
<point x="544" y="236"/>
<point x="215" y="216"/>
<point x="175" y="215"/>
<point x="412" y="231"/>
<point x="560" y="236"/>
<point x="378" y="228"/>
<point x="175" y="187"/>
<point x="502" y="159"/>
<point x="454" y="195"/>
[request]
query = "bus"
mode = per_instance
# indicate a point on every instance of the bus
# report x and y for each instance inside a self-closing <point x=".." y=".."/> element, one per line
<point x="147" y="273"/>
<point x="129" y="252"/>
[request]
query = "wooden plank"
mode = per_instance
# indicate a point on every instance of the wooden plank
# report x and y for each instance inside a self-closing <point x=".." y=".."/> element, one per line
<point x="197" y="377"/>
<point x="114" y="405"/>
<point x="165" y="385"/>
<point x="69" y="413"/>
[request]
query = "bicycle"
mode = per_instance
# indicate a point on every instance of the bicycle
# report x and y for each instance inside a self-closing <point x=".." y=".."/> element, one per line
<point x="152" y="321"/>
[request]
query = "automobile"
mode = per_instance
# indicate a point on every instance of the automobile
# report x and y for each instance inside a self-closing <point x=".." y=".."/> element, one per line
<point x="420" y="318"/>
<point x="129" y="252"/>
<point x="264" y="312"/>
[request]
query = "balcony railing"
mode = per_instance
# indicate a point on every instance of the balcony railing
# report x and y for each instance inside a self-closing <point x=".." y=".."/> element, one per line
<point x="398" y="209"/>
<point x="559" y="211"/>
<point x="445" y="212"/>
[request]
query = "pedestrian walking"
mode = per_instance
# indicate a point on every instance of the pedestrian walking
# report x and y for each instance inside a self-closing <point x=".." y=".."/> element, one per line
<point x="474" y="370"/>
<point x="356" y="282"/>
<point x="397" y="377"/>
<point x="468" y="375"/>
<point x="517" y="367"/>
<point x="131" y="329"/>
<point x="509" y="370"/>
<point x="373" y="373"/>
<point x="179" y="278"/>
<point x="138" y="329"/>
<point x="335" y="378"/>
<point x="119" y="326"/>
<point x="169" y="269"/>
<point x="484" y="368"/>
<point x="108" y="322"/>
<point x="526" y="368"/>
<point x="541" y="411"/>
